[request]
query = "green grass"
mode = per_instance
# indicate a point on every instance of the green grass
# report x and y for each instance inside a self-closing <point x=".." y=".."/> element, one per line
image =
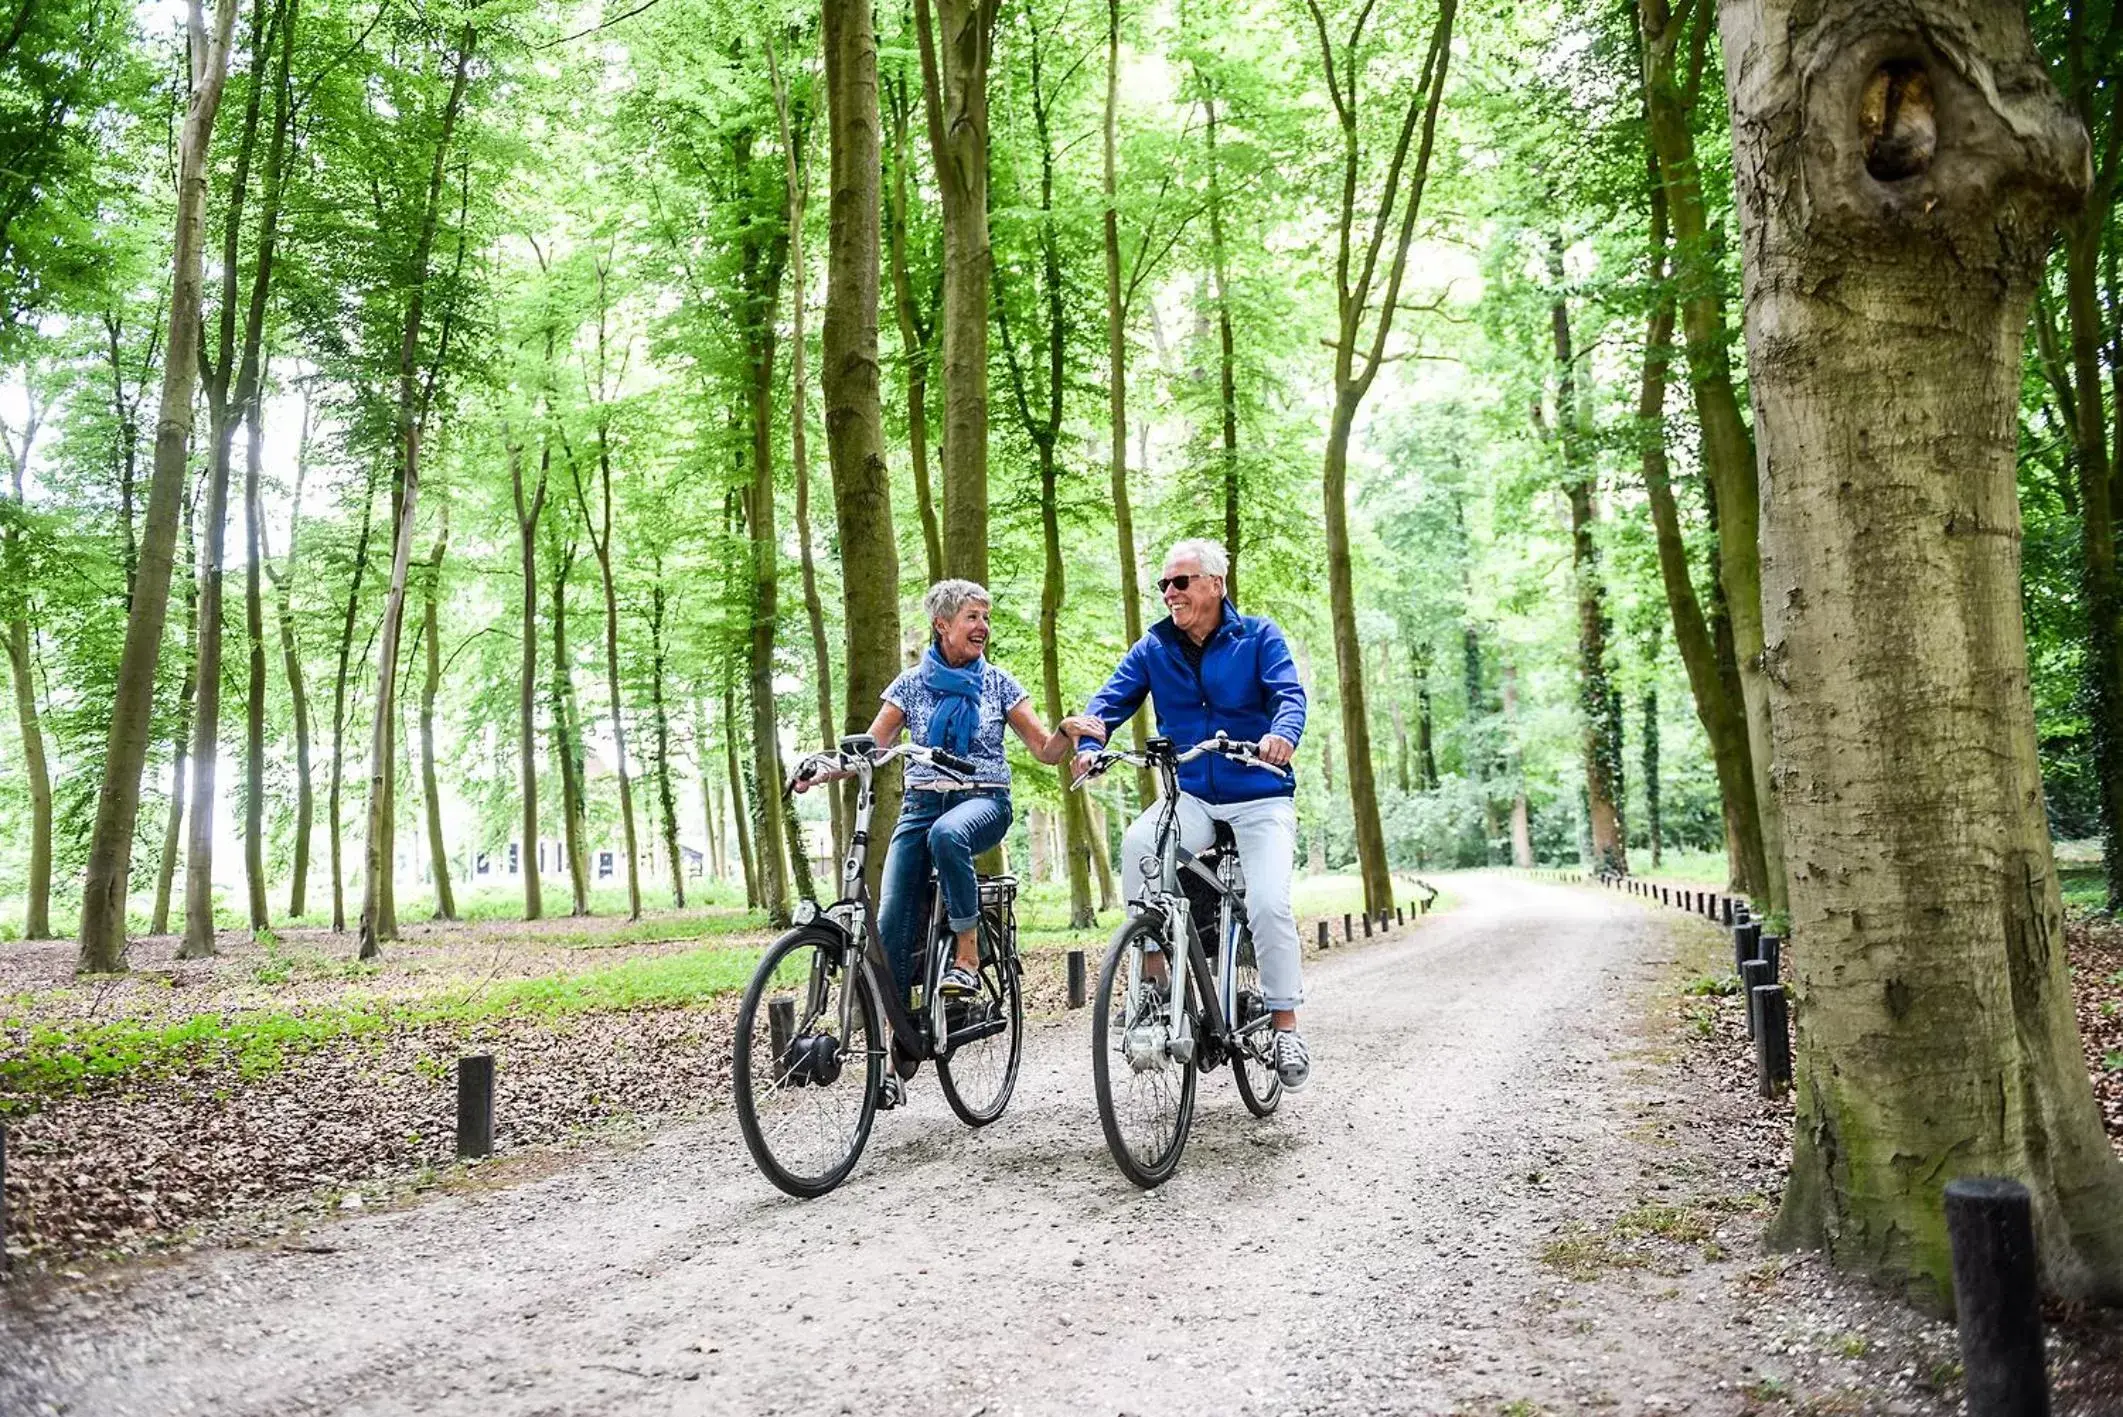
<point x="58" y="1058"/>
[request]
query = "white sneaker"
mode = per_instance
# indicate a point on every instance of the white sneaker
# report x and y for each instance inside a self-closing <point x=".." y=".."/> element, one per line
<point x="1293" y="1062"/>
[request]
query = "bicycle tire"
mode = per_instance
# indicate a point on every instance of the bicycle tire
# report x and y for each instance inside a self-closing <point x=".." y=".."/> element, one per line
<point x="1264" y="1094"/>
<point x="999" y="980"/>
<point x="807" y="1182"/>
<point x="1164" y="1154"/>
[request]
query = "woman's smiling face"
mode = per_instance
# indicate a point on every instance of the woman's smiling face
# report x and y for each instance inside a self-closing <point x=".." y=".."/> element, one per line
<point x="964" y="637"/>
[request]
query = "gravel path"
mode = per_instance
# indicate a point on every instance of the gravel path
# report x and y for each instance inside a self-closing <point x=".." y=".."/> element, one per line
<point x="1375" y="1247"/>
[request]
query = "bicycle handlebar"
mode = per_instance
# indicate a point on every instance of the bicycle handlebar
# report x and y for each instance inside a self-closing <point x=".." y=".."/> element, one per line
<point x="815" y="765"/>
<point x="1243" y="750"/>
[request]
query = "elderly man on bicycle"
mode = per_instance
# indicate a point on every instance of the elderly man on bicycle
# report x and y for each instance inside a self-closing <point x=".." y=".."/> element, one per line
<point x="1212" y="670"/>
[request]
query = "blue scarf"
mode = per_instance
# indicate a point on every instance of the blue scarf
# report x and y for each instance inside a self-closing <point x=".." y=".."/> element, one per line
<point x="957" y="716"/>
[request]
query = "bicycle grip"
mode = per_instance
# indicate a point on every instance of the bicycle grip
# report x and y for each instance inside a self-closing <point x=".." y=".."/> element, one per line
<point x="951" y="762"/>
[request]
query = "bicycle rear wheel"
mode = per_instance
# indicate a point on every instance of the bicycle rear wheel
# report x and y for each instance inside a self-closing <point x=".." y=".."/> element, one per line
<point x="806" y="1096"/>
<point x="1260" y="1087"/>
<point x="1145" y="1096"/>
<point x="980" y="1073"/>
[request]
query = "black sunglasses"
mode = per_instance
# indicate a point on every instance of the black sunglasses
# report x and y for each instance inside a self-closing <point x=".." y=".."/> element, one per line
<point x="1166" y="583"/>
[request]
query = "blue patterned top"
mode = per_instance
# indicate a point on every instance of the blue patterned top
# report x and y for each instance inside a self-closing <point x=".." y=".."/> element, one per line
<point x="999" y="693"/>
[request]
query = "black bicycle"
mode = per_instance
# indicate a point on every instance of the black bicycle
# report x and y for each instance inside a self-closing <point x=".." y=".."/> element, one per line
<point x="810" y="1082"/>
<point x="1146" y="1054"/>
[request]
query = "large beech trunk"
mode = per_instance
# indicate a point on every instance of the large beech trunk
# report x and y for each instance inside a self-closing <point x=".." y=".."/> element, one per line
<point x="125" y="752"/>
<point x="291" y="665"/>
<point x="180" y="746"/>
<point x="567" y="741"/>
<point x="1900" y="172"/>
<point x="855" y="438"/>
<point x="660" y="725"/>
<point x="955" y="47"/>
<point x="916" y="322"/>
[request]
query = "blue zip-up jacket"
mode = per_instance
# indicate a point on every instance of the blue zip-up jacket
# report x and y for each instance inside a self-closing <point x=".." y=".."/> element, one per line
<point x="1247" y="687"/>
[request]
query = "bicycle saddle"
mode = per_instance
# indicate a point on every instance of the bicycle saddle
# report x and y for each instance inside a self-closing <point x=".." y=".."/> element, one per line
<point x="1223" y="841"/>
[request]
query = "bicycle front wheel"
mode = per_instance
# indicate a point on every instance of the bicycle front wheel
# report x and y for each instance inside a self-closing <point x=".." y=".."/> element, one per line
<point x="807" y="1087"/>
<point x="978" y="1068"/>
<point x="1145" y="1095"/>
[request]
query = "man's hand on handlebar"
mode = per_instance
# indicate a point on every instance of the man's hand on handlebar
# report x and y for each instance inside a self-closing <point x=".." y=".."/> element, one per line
<point x="1276" y="751"/>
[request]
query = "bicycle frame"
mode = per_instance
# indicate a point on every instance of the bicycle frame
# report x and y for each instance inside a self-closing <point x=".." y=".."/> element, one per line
<point x="911" y="1039"/>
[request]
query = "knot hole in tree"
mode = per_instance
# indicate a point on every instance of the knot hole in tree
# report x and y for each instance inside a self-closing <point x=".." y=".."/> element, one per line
<point x="1896" y="121"/>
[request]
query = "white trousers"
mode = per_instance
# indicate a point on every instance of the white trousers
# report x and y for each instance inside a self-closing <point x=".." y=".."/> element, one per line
<point x="1266" y="832"/>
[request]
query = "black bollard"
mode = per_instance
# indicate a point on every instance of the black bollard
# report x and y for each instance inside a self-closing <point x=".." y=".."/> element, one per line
<point x="1727" y="913"/>
<point x="1990" y="1223"/>
<point x="475" y="1106"/>
<point x="1754" y="974"/>
<point x="1076" y="979"/>
<point x="1771" y="952"/>
<point x="1323" y="934"/>
<point x="1348" y="930"/>
<point x="1367" y="924"/>
<point x="1400" y="916"/>
<point x="1746" y="944"/>
<point x="1772" y="1039"/>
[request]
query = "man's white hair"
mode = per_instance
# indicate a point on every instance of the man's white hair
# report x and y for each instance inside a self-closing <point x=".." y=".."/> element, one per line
<point x="946" y="598"/>
<point x="1210" y="555"/>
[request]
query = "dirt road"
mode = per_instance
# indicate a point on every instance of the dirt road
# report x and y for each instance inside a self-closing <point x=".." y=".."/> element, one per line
<point x="1375" y="1247"/>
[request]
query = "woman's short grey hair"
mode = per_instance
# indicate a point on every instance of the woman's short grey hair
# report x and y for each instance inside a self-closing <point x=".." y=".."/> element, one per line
<point x="1210" y="555"/>
<point x="946" y="598"/>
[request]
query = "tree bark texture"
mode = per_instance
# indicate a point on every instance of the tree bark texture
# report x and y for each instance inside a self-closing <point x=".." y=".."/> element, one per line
<point x="567" y="740"/>
<point x="298" y="694"/>
<point x="855" y="438"/>
<point x="125" y="752"/>
<point x="181" y="743"/>
<point x="339" y="699"/>
<point x="916" y="318"/>
<point x="660" y="723"/>
<point x="1896" y="206"/>
<point x="955" y="49"/>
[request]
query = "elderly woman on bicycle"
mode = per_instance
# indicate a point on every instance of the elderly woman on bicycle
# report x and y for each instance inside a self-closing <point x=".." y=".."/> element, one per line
<point x="953" y="699"/>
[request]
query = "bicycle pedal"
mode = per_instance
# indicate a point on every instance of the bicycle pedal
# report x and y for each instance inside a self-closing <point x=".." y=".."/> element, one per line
<point x="893" y="1095"/>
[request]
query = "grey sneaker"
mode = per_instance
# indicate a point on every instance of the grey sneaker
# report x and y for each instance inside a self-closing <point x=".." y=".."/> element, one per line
<point x="1293" y="1063"/>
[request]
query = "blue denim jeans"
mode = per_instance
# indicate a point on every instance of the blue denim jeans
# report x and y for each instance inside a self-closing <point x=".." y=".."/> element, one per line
<point x="943" y="832"/>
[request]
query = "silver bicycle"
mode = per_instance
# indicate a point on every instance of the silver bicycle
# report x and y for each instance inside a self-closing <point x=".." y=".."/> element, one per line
<point x="811" y="1051"/>
<point x="1152" y="1034"/>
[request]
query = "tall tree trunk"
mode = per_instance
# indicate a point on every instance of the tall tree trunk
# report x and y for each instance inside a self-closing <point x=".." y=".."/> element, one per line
<point x="125" y="753"/>
<point x="1043" y="426"/>
<point x="1131" y="591"/>
<point x="254" y="700"/>
<point x="567" y="741"/>
<point x="754" y="897"/>
<point x="855" y="437"/>
<point x="530" y="515"/>
<point x="181" y="742"/>
<point x="1226" y="356"/>
<point x="291" y="666"/>
<point x="14" y="560"/>
<point x="431" y="685"/>
<point x="955" y="47"/>
<point x="1425" y="745"/>
<point x="377" y="922"/>
<point x="1599" y="715"/>
<point x="799" y="443"/>
<point x="667" y="801"/>
<point x="206" y="717"/>
<point x="1887" y="297"/>
<point x="711" y="808"/>
<point x="916" y="321"/>
<point x="1357" y="358"/>
<point x="767" y="805"/>
<point x="1721" y="713"/>
<point x="601" y="544"/>
<point x="1673" y="82"/>
<point x="1521" y="814"/>
<point x="339" y="704"/>
<point x="1102" y="857"/>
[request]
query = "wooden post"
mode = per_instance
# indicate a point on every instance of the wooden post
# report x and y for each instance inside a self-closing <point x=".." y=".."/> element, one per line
<point x="1323" y="933"/>
<point x="475" y="1106"/>
<point x="1772" y="1039"/>
<point x="1990" y="1224"/>
<point x="1348" y="930"/>
<point x="1367" y="924"/>
<point x="1753" y="975"/>
<point x="1076" y="979"/>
